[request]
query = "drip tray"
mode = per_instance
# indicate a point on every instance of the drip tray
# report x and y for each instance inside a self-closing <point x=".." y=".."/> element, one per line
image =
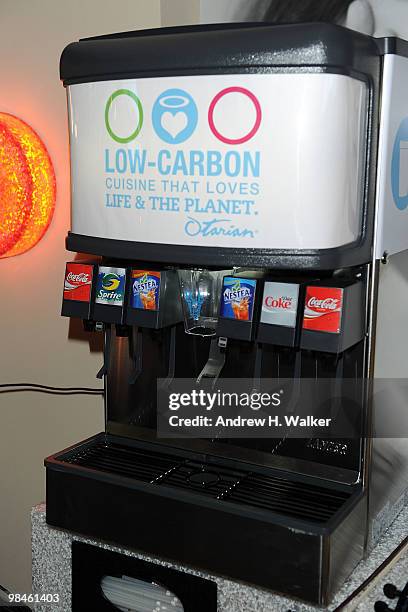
<point x="303" y="501"/>
<point x="286" y="533"/>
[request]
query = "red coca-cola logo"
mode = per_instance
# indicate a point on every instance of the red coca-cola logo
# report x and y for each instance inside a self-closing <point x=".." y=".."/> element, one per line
<point x="280" y="303"/>
<point x="323" y="309"/>
<point x="78" y="282"/>
<point x="82" y="277"/>
<point x="324" y="304"/>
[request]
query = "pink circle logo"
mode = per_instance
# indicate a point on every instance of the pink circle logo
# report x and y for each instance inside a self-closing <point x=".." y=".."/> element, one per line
<point x="258" y="119"/>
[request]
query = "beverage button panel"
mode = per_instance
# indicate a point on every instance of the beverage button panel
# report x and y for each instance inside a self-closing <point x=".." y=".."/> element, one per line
<point x="145" y="289"/>
<point x="323" y="309"/>
<point x="153" y="300"/>
<point x="78" y="282"/>
<point x="237" y="298"/>
<point x="110" y="287"/>
<point x="110" y="295"/>
<point x="237" y="307"/>
<point x="334" y="317"/>
<point x="280" y="304"/>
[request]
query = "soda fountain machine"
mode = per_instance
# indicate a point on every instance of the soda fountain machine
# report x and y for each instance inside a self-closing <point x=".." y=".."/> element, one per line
<point x="237" y="189"/>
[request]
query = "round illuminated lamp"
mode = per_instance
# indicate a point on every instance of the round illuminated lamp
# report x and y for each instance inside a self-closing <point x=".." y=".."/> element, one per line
<point x="27" y="187"/>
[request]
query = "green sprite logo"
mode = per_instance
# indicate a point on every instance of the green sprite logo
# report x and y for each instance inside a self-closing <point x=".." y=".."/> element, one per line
<point x="110" y="282"/>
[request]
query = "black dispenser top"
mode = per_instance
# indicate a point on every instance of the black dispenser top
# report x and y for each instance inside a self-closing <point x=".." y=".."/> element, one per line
<point x="246" y="46"/>
<point x="216" y="184"/>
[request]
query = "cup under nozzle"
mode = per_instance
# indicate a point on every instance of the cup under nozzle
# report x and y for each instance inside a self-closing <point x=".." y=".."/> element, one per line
<point x="200" y="291"/>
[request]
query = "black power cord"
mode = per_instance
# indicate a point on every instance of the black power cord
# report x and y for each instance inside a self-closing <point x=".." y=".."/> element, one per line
<point x="36" y="388"/>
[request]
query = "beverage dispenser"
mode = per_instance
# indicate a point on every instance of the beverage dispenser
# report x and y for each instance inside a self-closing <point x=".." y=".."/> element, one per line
<point x="235" y="184"/>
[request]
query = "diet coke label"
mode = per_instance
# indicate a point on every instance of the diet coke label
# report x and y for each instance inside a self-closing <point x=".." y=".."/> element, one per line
<point x="323" y="309"/>
<point x="280" y="304"/>
<point x="78" y="282"/>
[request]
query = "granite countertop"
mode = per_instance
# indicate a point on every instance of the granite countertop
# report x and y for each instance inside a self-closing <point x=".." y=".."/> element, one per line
<point x="52" y="569"/>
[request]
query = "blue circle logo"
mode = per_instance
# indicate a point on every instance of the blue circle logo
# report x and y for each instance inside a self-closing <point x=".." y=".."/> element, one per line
<point x="399" y="166"/>
<point x="174" y="116"/>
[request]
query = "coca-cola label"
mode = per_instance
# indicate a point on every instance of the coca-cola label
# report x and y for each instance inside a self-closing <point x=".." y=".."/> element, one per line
<point x="323" y="309"/>
<point x="78" y="282"/>
<point x="280" y="304"/>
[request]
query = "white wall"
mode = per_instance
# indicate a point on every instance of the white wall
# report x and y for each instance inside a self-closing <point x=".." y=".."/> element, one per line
<point x="218" y="11"/>
<point x="34" y="343"/>
<point x="185" y="12"/>
<point x="180" y="12"/>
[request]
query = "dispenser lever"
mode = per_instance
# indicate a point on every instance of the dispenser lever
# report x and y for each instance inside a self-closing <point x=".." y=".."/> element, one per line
<point x="297" y="388"/>
<point x="172" y="359"/>
<point x="256" y="385"/>
<point x="106" y="353"/>
<point x="338" y="387"/>
<point x="136" y="355"/>
<point x="216" y="360"/>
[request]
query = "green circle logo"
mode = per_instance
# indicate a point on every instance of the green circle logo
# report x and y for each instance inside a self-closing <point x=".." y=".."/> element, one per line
<point x="133" y="96"/>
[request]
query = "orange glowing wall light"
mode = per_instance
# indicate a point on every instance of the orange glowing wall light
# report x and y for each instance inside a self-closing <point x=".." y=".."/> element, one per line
<point x="27" y="187"/>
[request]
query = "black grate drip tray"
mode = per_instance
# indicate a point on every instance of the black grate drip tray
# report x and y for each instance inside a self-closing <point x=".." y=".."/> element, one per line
<point x="268" y="492"/>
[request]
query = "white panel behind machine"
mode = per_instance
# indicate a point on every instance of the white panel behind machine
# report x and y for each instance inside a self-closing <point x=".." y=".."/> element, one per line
<point x="392" y="178"/>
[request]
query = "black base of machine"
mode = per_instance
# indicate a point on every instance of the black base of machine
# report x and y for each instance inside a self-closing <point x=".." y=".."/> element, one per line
<point x="287" y="532"/>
